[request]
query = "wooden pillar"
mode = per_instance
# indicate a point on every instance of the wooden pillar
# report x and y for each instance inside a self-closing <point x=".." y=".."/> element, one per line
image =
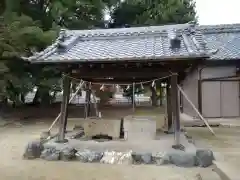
<point x="175" y="108"/>
<point x="64" y="110"/>
<point x="133" y="98"/>
<point x="160" y="95"/>
<point x="169" y="107"/>
<point x="87" y="100"/>
<point x="68" y="92"/>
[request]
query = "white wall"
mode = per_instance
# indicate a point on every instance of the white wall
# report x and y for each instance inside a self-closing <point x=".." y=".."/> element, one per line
<point x="190" y="84"/>
<point x="190" y="87"/>
<point x="214" y="72"/>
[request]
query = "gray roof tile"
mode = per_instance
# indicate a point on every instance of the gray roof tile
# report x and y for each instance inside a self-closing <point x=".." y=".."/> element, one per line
<point x="225" y="39"/>
<point x="124" y="44"/>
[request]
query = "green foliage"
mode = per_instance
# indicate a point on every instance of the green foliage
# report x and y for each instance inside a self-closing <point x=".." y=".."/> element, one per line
<point x="19" y="36"/>
<point x="128" y="92"/>
<point x="158" y="12"/>
<point x="104" y="95"/>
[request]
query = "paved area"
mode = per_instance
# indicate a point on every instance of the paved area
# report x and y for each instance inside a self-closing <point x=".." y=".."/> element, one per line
<point x="226" y="143"/>
<point x="14" y="138"/>
<point x="226" y="147"/>
<point x="226" y="171"/>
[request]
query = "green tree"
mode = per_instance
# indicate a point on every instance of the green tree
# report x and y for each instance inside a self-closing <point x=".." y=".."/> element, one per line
<point x="128" y="91"/>
<point x="19" y="36"/>
<point x="72" y="14"/>
<point x="158" y="12"/>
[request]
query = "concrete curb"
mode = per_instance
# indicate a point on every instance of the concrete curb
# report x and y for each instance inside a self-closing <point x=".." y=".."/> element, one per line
<point x="225" y="125"/>
<point x="189" y="121"/>
<point x="225" y="171"/>
<point x="222" y="125"/>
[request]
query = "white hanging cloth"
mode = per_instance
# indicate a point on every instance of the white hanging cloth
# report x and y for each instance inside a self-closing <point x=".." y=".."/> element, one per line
<point x="102" y="88"/>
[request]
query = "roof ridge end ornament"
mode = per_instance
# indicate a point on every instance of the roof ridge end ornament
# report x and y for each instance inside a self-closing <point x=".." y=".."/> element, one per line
<point x="61" y="39"/>
<point x="174" y="37"/>
<point x="192" y="23"/>
<point x="213" y="51"/>
<point x="62" y="35"/>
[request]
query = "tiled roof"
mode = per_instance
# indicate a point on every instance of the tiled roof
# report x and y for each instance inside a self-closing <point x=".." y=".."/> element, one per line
<point x="223" y="38"/>
<point x="135" y="43"/>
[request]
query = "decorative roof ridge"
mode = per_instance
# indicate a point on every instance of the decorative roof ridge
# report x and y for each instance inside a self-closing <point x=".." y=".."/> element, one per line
<point x="46" y="52"/>
<point x="122" y="36"/>
<point x="187" y="43"/>
<point x="69" y="38"/>
<point x="221" y="28"/>
<point x="199" y="41"/>
<point x="146" y="30"/>
<point x="49" y="49"/>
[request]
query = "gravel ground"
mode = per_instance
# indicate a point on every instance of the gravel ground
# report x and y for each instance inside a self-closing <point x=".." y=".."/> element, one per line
<point x="14" y="138"/>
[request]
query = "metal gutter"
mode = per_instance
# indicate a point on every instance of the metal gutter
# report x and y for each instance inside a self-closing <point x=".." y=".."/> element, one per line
<point x="200" y="88"/>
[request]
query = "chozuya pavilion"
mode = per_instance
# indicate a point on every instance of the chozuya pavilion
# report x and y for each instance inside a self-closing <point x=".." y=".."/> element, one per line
<point x="126" y="55"/>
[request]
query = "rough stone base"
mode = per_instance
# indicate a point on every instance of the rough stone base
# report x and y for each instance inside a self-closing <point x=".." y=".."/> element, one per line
<point x="202" y="158"/>
<point x="33" y="150"/>
<point x="158" y="152"/>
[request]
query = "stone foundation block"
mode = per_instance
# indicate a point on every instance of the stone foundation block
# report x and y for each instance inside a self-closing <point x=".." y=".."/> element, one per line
<point x="33" y="150"/>
<point x="204" y="157"/>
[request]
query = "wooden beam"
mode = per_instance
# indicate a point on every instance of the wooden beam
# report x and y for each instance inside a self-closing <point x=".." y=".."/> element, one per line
<point x="105" y="73"/>
<point x="120" y="80"/>
<point x="175" y="108"/>
<point x="131" y="70"/>
<point x="116" y="65"/>
<point x="222" y="78"/>
<point x="64" y="109"/>
<point x="127" y="63"/>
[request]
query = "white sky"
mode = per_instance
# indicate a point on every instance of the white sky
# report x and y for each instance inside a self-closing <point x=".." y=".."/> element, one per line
<point x="218" y="11"/>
